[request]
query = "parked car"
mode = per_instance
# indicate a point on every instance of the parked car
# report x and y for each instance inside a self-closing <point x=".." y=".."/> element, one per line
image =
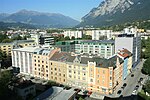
<point x="136" y="87"/>
<point x="119" y="92"/>
<point x="141" y="79"/>
<point x="132" y="75"/>
<point x="124" y="85"/>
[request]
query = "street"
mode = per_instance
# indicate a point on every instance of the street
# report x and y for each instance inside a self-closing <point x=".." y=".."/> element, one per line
<point x="131" y="82"/>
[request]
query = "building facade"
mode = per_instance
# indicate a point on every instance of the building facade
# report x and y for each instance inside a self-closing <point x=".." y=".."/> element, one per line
<point x="101" y="34"/>
<point x="102" y="48"/>
<point x="132" y="42"/>
<point x="22" y="59"/>
<point x="76" y="34"/>
<point x="7" y="47"/>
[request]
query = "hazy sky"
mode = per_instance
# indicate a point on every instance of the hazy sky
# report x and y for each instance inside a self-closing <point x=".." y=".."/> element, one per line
<point x="73" y="8"/>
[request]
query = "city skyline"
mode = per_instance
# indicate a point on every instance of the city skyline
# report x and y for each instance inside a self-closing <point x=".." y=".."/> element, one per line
<point x="75" y="9"/>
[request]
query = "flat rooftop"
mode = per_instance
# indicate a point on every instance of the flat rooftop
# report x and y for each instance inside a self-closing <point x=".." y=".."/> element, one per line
<point x="26" y="49"/>
<point x="56" y="93"/>
<point x="98" y="41"/>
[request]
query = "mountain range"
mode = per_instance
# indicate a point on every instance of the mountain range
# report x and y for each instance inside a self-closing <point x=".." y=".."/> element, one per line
<point x="114" y="12"/>
<point x="53" y="20"/>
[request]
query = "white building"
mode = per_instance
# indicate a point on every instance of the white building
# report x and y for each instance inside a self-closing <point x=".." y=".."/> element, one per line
<point x="97" y="34"/>
<point x="130" y="40"/>
<point x="76" y="34"/>
<point x="22" y="58"/>
<point x="41" y="39"/>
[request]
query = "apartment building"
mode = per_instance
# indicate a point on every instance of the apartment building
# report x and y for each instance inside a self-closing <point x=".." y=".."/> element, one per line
<point x="76" y="34"/>
<point x="58" y="67"/>
<point x="22" y="59"/>
<point x="101" y="34"/>
<point x="7" y="47"/>
<point x="77" y="72"/>
<point x="42" y="39"/>
<point x="127" y="57"/>
<point x="130" y="40"/>
<point x="102" y="48"/>
<point x="66" y="46"/>
<point x="94" y="74"/>
<point x="41" y="62"/>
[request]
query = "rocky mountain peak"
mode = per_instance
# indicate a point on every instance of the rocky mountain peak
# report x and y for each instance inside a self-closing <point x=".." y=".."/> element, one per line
<point x="110" y="12"/>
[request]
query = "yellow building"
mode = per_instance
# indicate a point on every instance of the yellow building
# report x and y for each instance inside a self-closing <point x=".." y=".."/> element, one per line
<point x="7" y="47"/>
<point x="102" y="74"/>
<point x="77" y="72"/>
<point x="41" y="63"/>
<point x="58" y="67"/>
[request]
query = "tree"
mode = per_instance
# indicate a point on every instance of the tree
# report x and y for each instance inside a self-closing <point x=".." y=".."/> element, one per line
<point x="146" y="67"/>
<point x="67" y="38"/>
<point x="3" y="36"/>
<point x="147" y="87"/>
<point x="72" y="38"/>
<point x="7" y="40"/>
<point x="86" y="37"/>
<point x="5" y="78"/>
<point x="18" y="37"/>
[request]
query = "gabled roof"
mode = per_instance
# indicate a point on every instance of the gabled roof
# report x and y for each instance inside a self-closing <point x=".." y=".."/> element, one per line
<point x="60" y="56"/>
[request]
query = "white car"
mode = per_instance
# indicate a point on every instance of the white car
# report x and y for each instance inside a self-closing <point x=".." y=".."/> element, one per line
<point x="134" y="92"/>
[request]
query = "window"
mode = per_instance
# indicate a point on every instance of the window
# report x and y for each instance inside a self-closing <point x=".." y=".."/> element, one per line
<point x="69" y="76"/>
<point x="51" y="63"/>
<point x="78" y="77"/>
<point x="110" y="72"/>
<point x="64" y="75"/>
<point x="91" y="69"/>
<point x="47" y="75"/>
<point x="98" y="70"/>
<point x="46" y="66"/>
<point x="83" y="78"/>
<point x="97" y="81"/>
<point x="83" y="68"/>
<point x="103" y="71"/>
<point x="110" y="84"/>
<point x="110" y="78"/>
<point x="91" y="80"/>
<point x="79" y="72"/>
<point x="69" y="71"/>
<point x="42" y="61"/>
